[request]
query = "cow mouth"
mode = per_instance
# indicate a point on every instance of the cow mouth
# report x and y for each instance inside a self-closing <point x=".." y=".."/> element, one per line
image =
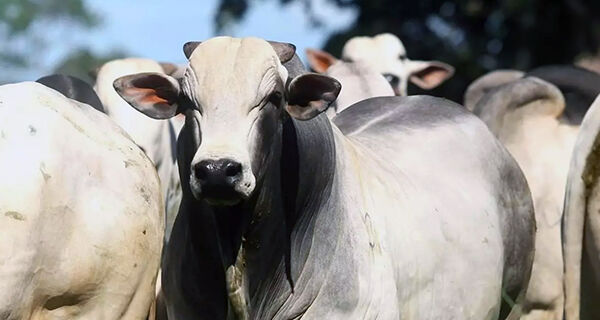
<point x="219" y="196"/>
<point x="222" y="202"/>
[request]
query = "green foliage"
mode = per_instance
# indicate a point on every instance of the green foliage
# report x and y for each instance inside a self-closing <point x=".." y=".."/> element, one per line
<point x="22" y="24"/>
<point x="17" y="16"/>
<point x="82" y="61"/>
<point x="475" y="36"/>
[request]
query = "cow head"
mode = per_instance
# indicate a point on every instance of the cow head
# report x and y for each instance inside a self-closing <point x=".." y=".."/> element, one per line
<point x="386" y="54"/>
<point x="234" y="95"/>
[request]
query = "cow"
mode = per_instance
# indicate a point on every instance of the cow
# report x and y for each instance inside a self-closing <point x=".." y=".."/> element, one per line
<point x="81" y="217"/>
<point x="156" y="137"/>
<point x="359" y="81"/>
<point x="526" y="116"/>
<point x="386" y="54"/>
<point x="579" y="219"/>
<point x="73" y="88"/>
<point x="486" y="83"/>
<point x="407" y="207"/>
<point x="578" y="86"/>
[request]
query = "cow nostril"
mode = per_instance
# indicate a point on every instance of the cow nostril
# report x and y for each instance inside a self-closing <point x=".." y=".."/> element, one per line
<point x="232" y="169"/>
<point x="201" y="172"/>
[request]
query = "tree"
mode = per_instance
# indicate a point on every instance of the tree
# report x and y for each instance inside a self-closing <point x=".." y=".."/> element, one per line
<point x="473" y="35"/>
<point x="82" y="61"/>
<point x="18" y="19"/>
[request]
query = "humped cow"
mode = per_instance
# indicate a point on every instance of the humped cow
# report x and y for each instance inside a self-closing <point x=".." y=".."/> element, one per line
<point x="410" y="209"/>
<point x="524" y="114"/>
<point x="80" y="208"/>
<point x="538" y="122"/>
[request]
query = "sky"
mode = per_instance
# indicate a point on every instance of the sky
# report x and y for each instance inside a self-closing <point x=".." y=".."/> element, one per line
<point x="158" y="29"/>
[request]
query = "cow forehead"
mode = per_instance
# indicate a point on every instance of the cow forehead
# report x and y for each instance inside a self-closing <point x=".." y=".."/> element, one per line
<point x="240" y="68"/>
<point x="383" y="46"/>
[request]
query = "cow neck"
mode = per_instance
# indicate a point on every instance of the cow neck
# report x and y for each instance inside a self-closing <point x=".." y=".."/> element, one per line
<point x="307" y="165"/>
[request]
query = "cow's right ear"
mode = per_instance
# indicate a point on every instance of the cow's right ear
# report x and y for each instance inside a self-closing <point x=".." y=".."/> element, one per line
<point x="319" y="60"/>
<point x="153" y="94"/>
<point x="310" y="94"/>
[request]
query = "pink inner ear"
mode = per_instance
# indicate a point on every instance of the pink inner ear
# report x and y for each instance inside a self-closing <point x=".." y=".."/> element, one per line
<point x="147" y="96"/>
<point x="320" y="61"/>
<point x="430" y="77"/>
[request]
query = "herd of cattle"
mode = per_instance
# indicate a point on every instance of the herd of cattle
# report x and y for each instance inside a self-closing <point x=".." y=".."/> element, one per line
<point x="242" y="186"/>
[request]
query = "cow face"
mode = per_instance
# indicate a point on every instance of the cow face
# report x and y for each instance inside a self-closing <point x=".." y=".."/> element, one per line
<point x="234" y="95"/>
<point x="386" y="54"/>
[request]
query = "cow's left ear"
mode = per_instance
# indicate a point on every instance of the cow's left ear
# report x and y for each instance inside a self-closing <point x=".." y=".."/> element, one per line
<point x="429" y="74"/>
<point x="153" y="94"/>
<point x="310" y="94"/>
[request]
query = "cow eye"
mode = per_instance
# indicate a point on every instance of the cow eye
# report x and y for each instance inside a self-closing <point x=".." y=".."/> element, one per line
<point x="275" y="98"/>
<point x="391" y="79"/>
<point x="402" y="56"/>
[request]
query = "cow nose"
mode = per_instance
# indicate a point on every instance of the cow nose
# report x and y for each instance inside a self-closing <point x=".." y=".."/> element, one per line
<point x="221" y="172"/>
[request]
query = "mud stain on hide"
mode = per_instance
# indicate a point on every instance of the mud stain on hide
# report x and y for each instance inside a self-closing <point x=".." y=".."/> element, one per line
<point x="128" y="163"/>
<point x="145" y="194"/>
<point x="44" y="173"/>
<point x="15" y="215"/>
<point x="32" y="130"/>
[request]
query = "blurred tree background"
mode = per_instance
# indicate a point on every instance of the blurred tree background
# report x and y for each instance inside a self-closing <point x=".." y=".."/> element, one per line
<point x="22" y="27"/>
<point x="475" y="36"/>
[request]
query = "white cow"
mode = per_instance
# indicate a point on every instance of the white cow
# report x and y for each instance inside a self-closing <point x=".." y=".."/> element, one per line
<point x="386" y="54"/>
<point x="359" y="81"/>
<point x="407" y="208"/>
<point x="581" y="226"/>
<point x="81" y="217"/>
<point x="525" y="116"/>
<point x="156" y="137"/>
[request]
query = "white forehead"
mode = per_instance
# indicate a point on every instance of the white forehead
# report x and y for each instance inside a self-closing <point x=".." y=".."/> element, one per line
<point x="121" y="67"/>
<point x="246" y="68"/>
<point x="384" y="46"/>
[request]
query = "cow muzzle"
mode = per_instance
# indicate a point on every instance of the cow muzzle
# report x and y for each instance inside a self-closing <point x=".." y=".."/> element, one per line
<point x="221" y="182"/>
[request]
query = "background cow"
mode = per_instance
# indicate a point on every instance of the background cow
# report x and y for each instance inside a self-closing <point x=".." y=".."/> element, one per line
<point x="156" y="137"/>
<point x="386" y="54"/>
<point x="359" y="81"/>
<point x="73" y="88"/>
<point x="526" y="116"/>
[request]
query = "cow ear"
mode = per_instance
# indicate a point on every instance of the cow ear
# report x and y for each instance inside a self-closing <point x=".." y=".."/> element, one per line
<point x="311" y="94"/>
<point x="285" y="51"/>
<point x="189" y="47"/>
<point x="319" y="60"/>
<point x="153" y="94"/>
<point x="429" y="74"/>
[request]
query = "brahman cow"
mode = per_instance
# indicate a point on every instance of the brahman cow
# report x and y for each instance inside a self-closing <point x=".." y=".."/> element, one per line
<point x="409" y="208"/>
<point x="359" y="81"/>
<point x="581" y="224"/>
<point x="385" y="53"/>
<point x="156" y="137"/>
<point x="578" y="86"/>
<point x="80" y="208"/>
<point x="525" y="114"/>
